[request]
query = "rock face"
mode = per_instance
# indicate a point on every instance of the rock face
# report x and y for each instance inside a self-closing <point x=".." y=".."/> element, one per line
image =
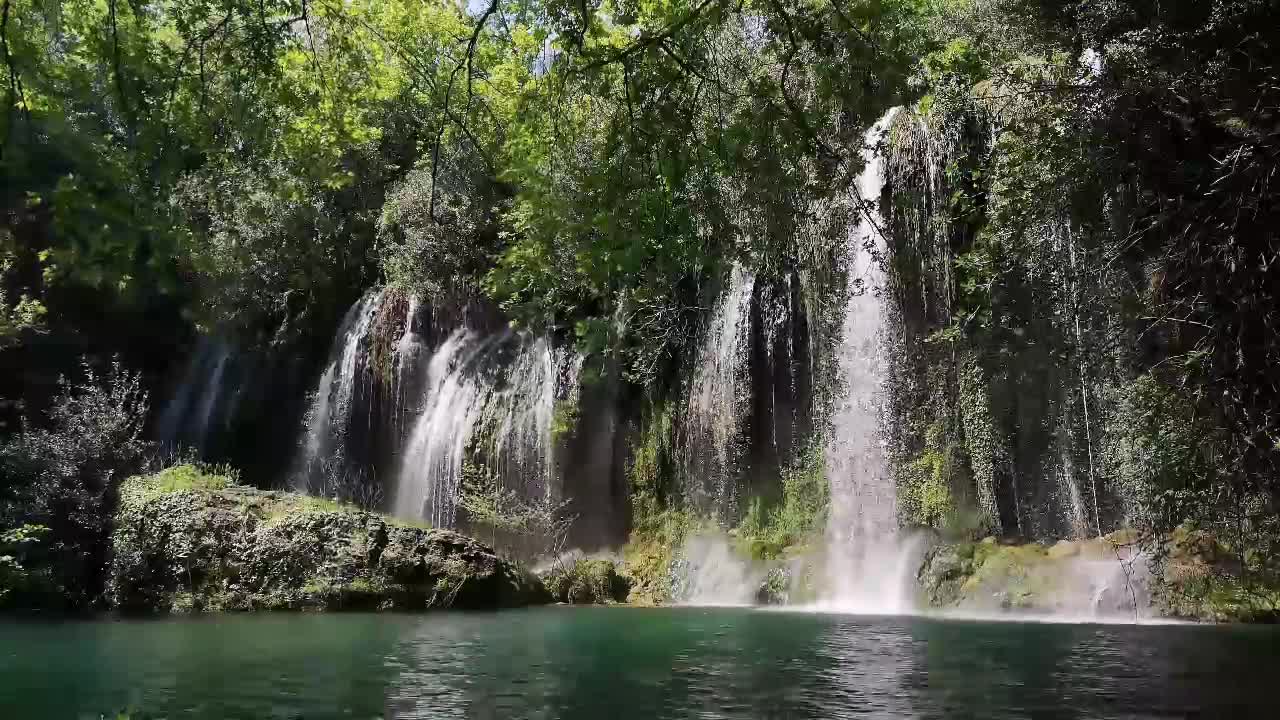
<point x="1086" y="578"/>
<point x="185" y="541"/>
<point x="1187" y="575"/>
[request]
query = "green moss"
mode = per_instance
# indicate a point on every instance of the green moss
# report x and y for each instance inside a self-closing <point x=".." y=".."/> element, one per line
<point x="650" y="457"/>
<point x="564" y="420"/>
<point x="308" y="503"/>
<point x="985" y="574"/>
<point x="925" y="496"/>
<point x="1222" y="597"/>
<point x="186" y="477"/>
<point x="1203" y="578"/>
<point x="932" y="488"/>
<point x="649" y="551"/>
<point x="1015" y="571"/>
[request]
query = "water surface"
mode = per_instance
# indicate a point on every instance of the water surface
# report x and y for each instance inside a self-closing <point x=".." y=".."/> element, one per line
<point x="616" y="663"/>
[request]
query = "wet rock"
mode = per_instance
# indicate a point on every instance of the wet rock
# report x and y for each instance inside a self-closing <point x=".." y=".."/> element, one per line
<point x="775" y="589"/>
<point x="943" y="573"/>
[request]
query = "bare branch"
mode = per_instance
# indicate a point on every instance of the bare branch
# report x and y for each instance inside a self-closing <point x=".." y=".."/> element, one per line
<point x="466" y="62"/>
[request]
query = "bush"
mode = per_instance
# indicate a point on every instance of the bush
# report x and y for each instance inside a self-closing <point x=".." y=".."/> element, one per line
<point x="15" y="548"/>
<point x="587" y="582"/>
<point x="796" y="518"/>
<point x="63" y="477"/>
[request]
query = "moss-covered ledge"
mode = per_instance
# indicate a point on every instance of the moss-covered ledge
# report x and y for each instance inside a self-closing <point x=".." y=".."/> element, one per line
<point x="1185" y="575"/>
<point x="188" y="541"/>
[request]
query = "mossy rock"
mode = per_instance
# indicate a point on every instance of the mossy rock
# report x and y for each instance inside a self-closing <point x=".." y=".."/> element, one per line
<point x="1202" y="580"/>
<point x="1219" y="597"/>
<point x="775" y="589"/>
<point x="184" y="542"/>
<point x="989" y="576"/>
<point x="587" y="582"/>
<point x="1198" y="578"/>
<point x="944" y="571"/>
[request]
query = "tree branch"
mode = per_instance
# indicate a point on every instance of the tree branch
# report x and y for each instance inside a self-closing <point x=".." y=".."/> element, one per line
<point x="115" y="68"/>
<point x="16" y="94"/>
<point x="465" y="61"/>
<point x="646" y="41"/>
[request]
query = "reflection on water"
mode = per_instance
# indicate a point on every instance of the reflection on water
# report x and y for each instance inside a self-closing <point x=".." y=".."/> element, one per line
<point x="614" y="663"/>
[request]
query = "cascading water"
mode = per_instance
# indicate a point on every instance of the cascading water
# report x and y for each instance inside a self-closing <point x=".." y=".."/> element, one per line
<point x="432" y="463"/>
<point x="869" y="567"/>
<point x="710" y="444"/>
<point x="525" y="413"/>
<point x="489" y="399"/>
<point x="708" y="571"/>
<point x="1080" y="518"/>
<point x="406" y="376"/>
<point x="329" y="417"/>
<point x="203" y="402"/>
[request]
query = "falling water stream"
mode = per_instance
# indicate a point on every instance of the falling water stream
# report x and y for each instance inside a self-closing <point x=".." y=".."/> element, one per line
<point x="489" y="399"/>
<point x="203" y="401"/>
<point x="329" y="417"/>
<point x="710" y="446"/>
<point x="869" y="566"/>
<point x="482" y="406"/>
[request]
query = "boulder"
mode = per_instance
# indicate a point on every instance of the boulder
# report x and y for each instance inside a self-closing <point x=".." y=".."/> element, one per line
<point x="205" y="545"/>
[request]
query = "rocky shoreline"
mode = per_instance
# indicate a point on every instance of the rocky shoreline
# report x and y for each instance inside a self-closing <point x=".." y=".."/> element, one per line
<point x="190" y="541"/>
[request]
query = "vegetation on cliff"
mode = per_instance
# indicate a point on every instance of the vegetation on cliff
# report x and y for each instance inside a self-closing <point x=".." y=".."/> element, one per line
<point x="587" y="581"/>
<point x="1079" y="235"/>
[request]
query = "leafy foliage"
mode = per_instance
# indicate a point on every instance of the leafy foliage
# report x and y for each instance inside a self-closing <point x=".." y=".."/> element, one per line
<point x="519" y="526"/>
<point x="15" y="546"/>
<point x="796" y="519"/>
<point x="1092" y="256"/>
<point x="64" y="477"/>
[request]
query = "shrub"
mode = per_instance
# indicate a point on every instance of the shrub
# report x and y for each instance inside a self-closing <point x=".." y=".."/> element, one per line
<point x="587" y="582"/>
<point x="63" y="477"/>
<point x="798" y="516"/>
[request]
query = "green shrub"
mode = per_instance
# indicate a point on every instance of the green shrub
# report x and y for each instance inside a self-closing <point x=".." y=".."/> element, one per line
<point x="63" y="476"/>
<point x="649" y="551"/>
<point x="587" y="582"/>
<point x="766" y="532"/>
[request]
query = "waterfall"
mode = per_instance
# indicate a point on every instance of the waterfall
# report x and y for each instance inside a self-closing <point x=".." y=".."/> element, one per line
<point x="329" y="417"/>
<point x="203" y="401"/>
<point x="409" y="349"/>
<point x="710" y="443"/>
<point x="432" y="463"/>
<point x="869" y="569"/>
<point x="489" y="403"/>
<point x="212" y="395"/>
